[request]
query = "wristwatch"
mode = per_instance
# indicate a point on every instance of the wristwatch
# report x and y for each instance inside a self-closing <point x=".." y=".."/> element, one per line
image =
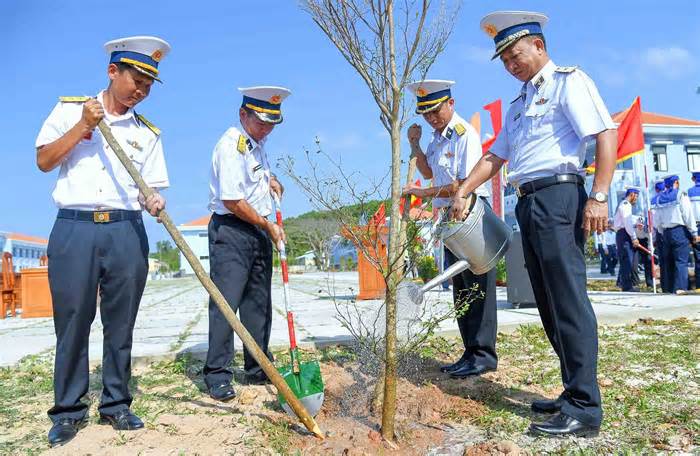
<point x="599" y="196"/>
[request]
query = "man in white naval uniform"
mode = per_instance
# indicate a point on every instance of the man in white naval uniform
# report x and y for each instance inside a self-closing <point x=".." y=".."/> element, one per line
<point x="454" y="149"/>
<point x="546" y="129"/>
<point x="241" y="236"/>
<point x="98" y="241"/>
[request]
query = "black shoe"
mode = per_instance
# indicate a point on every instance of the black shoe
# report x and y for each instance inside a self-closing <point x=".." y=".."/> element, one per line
<point x="257" y="378"/>
<point x="64" y="430"/>
<point x="123" y="420"/>
<point x="454" y="366"/>
<point x="561" y="425"/>
<point x="223" y="392"/>
<point x="548" y="405"/>
<point x="470" y="369"/>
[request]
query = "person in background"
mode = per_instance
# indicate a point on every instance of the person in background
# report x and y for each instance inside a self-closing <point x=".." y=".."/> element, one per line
<point x="626" y="238"/>
<point x="599" y="243"/>
<point x="658" y="236"/>
<point x="610" y="248"/>
<point x="694" y="195"/>
<point x="680" y="230"/>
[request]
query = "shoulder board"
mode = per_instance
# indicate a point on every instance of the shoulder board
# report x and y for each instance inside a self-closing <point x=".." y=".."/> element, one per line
<point x="459" y="129"/>
<point x="568" y="69"/>
<point x="150" y="126"/>
<point x="73" y="99"/>
<point x="242" y="144"/>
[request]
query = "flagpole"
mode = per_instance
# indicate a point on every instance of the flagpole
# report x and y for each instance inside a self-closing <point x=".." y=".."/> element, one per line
<point x="650" y="224"/>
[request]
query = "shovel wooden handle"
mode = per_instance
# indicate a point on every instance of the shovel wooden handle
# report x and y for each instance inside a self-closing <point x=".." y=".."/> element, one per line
<point x="214" y="292"/>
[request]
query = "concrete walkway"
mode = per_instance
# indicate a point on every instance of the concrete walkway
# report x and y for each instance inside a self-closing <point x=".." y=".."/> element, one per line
<point x="173" y="316"/>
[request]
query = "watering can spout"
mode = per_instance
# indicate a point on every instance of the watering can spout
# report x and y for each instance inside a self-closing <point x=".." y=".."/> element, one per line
<point x="452" y="271"/>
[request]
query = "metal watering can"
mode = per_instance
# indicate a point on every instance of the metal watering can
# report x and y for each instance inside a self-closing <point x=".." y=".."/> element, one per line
<point x="479" y="241"/>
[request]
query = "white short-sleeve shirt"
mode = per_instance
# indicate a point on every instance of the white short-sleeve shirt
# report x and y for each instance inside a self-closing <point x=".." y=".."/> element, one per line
<point x="452" y="154"/>
<point x="547" y="126"/>
<point x="239" y="171"/>
<point x="91" y="176"/>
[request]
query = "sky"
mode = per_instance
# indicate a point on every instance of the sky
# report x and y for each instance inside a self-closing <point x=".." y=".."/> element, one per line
<point x="53" y="49"/>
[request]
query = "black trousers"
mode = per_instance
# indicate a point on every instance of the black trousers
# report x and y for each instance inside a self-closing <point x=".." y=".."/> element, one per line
<point x="553" y="240"/>
<point x="645" y="260"/>
<point x="478" y="325"/>
<point x="240" y="258"/>
<point x="628" y="278"/>
<point x="85" y="256"/>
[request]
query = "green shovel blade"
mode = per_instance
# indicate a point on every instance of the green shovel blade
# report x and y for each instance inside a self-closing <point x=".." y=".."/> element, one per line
<point x="307" y="386"/>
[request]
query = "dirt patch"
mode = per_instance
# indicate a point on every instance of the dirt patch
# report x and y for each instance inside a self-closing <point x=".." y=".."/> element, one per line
<point x="423" y="415"/>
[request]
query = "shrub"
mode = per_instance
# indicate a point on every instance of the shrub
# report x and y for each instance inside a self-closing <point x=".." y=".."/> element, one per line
<point x="501" y="271"/>
<point x="427" y="269"/>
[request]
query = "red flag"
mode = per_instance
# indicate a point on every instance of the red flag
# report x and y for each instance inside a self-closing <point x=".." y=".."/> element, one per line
<point x="415" y="201"/>
<point x="494" y="108"/>
<point x="379" y="217"/>
<point x="630" y="135"/>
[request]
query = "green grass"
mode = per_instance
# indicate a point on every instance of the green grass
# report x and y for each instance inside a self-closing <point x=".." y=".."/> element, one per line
<point x="649" y="384"/>
<point x="649" y="374"/>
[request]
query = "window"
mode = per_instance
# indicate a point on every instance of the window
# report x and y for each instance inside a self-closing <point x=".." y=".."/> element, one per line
<point x="693" y="157"/>
<point x="660" y="159"/>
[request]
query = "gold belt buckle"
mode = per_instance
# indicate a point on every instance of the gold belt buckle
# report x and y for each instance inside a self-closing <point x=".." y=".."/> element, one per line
<point x="100" y="217"/>
<point x="518" y="192"/>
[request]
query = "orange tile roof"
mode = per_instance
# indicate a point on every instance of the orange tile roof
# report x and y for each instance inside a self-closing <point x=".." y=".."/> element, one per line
<point x="24" y="237"/>
<point x="201" y="221"/>
<point x="651" y="118"/>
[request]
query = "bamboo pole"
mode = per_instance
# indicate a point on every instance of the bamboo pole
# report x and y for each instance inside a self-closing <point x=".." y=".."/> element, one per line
<point x="214" y="292"/>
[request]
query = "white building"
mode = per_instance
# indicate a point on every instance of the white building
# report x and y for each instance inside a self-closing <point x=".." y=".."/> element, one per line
<point x="197" y="237"/>
<point x="26" y="250"/>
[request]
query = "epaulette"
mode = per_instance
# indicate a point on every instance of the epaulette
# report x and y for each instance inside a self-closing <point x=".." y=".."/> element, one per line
<point x="244" y="144"/>
<point x="459" y="129"/>
<point x="150" y="126"/>
<point x="568" y="69"/>
<point x="73" y="99"/>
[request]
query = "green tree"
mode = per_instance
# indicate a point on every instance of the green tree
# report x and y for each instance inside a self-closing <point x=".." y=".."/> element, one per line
<point x="168" y="256"/>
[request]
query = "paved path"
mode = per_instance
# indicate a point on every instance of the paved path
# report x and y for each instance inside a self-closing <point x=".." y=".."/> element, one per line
<point x="173" y="316"/>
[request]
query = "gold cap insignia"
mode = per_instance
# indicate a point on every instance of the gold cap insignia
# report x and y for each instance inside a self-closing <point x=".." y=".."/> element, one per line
<point x="275" y="99"/>
<point x="491" y="30"/>
<point x="157" y="55"/>
<point x="421" y="92"/>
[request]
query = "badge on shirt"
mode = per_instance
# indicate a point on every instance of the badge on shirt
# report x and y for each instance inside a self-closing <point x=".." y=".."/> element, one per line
<point x="450" y="154"/>
<point x="539" y="82"/>
<point x="135" y="145"/>
<point x="541" y="101"/>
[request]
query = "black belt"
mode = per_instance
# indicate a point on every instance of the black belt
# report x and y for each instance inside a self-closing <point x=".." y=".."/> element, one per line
<point x="114" y="215"/>
<point x="539" y="184"/>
